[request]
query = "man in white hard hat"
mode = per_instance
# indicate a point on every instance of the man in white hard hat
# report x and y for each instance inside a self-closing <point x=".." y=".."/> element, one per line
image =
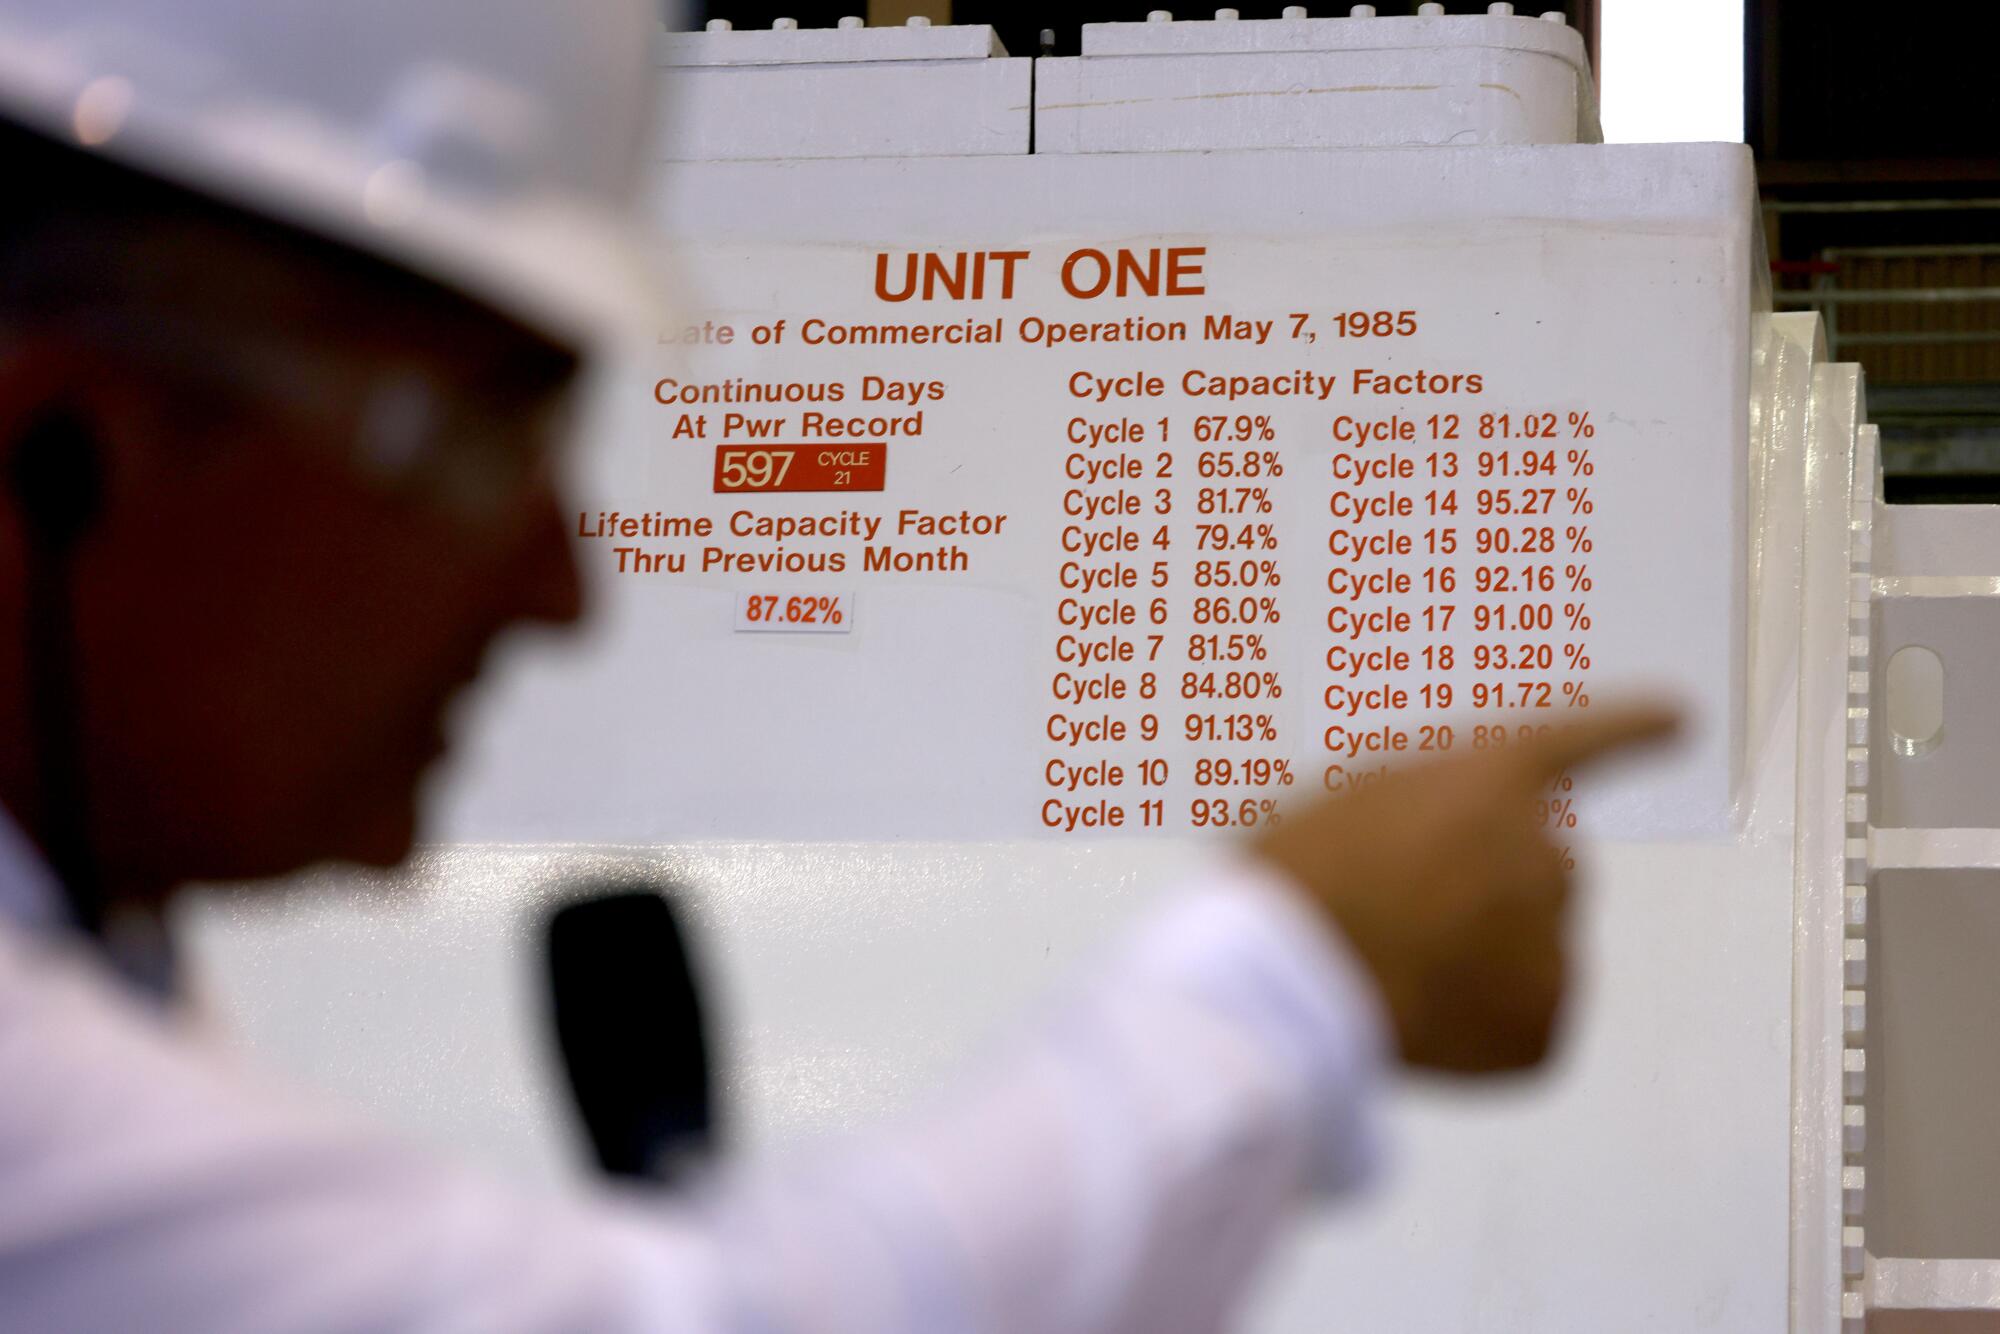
<point x="290" y="297"/>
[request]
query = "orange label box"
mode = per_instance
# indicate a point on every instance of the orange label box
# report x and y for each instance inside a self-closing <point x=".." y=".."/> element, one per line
<point x="844" y="467"/>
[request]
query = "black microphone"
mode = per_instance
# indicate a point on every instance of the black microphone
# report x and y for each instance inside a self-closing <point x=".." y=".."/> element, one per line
<point x="628" y="1018"/>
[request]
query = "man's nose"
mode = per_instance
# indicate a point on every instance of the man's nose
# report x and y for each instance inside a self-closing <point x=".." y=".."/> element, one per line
<point x="547" y="586"/>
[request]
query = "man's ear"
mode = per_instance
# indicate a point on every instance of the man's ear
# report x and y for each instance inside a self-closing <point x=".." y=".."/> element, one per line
<point x="74" y="436"/>
<point x="51" y="466"/>
<point x="55" y="476"/>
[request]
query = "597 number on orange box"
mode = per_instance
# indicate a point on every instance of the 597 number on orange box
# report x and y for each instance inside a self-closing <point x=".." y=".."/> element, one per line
<point x="792" y="468"/>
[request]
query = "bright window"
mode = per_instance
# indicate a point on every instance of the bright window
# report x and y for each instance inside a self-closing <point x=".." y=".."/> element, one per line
<point x="1672" y="70"/>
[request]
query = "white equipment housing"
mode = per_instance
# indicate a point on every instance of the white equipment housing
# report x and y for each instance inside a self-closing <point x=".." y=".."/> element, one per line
<point x="855" y="812"/>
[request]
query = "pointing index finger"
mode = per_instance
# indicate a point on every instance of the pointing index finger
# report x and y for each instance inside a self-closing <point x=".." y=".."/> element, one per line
<point x="1604" y="731"/>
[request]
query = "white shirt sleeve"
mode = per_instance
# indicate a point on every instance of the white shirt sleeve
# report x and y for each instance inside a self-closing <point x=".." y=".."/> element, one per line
<point x="1120" y="1168"/>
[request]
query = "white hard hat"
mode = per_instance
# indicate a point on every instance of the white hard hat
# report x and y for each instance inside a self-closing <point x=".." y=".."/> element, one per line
<point x="494" y="145"/>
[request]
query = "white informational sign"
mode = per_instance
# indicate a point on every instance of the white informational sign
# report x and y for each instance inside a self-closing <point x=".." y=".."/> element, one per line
<point x="1114" y="534"/>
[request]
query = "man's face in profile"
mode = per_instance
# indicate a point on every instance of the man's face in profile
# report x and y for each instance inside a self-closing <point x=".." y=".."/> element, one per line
<point x="326" y="494"/>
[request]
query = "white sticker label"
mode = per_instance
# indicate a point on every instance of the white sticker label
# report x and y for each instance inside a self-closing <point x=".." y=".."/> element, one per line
<point x="769" y="612"/>
<point x="1146" y="561"/>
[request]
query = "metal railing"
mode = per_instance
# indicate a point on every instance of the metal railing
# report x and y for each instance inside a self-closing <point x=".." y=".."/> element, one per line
<point x="1829" y="298"/>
